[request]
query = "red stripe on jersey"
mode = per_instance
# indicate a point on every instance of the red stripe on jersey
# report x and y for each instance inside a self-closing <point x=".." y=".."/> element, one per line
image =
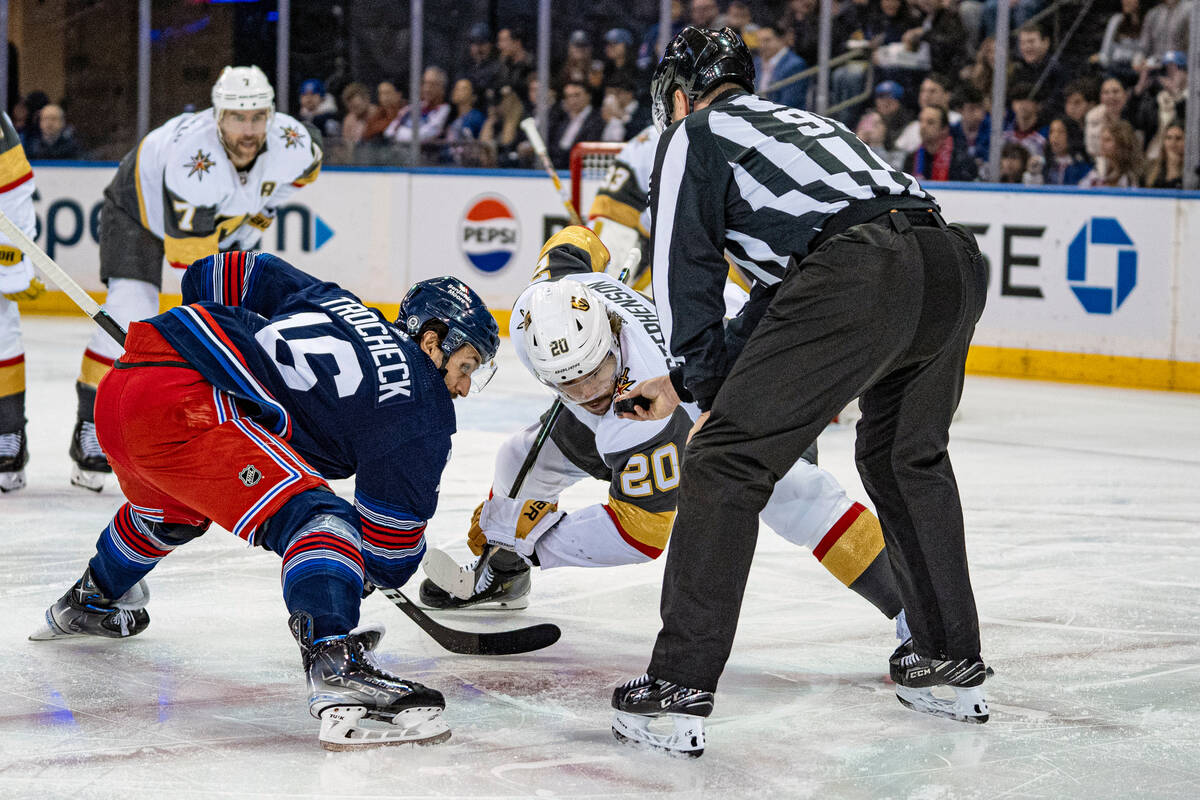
<point x="94" y="356"/>
<point x="641" y="547"/>
<point x="127" y="530"/>
<point x="12" y="362"/>
<point x="839" y="527"/>
<point x="321" y="540"/>
<point x="8" y="187"/>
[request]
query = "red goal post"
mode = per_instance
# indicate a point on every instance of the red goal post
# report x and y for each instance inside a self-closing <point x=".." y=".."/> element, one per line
<point x="590" y="163"/>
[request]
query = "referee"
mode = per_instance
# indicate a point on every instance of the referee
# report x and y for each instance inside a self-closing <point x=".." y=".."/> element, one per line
<point x="861" y="290"/>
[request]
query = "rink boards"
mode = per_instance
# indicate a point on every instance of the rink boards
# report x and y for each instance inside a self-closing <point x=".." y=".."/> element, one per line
<point x="1095" y="286"/>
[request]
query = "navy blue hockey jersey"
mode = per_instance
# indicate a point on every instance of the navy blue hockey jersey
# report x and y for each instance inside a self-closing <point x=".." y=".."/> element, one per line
<point x="347" y="390"/>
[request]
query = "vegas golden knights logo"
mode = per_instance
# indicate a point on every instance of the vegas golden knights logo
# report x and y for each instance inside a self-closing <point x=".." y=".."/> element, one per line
<point x="579" y="303"/>
<point x="267" y="188"/>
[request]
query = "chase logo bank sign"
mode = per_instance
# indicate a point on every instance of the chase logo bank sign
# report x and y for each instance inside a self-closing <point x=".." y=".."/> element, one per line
<point x="1101" y="265"/>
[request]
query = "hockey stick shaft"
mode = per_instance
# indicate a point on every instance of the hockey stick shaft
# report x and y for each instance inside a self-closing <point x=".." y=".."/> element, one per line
<point x="529" y="126"/>
<point x="61" y="279"/>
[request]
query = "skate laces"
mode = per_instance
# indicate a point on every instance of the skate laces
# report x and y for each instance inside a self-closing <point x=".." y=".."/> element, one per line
<point x="910" y="659"/>
<point x="88" y="442"/>
<point x="10" y="444"/>
<point x="485" y="578"/>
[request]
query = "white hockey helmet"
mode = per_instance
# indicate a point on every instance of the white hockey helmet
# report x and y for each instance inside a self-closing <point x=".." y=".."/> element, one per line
<point x="242" y="88"/>
<point x="568" y="338"/>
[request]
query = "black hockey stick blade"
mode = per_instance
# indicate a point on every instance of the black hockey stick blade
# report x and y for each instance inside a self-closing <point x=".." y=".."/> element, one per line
<point x="498" y="643"/>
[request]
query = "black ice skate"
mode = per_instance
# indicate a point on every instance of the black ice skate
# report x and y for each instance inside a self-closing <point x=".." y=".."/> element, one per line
<point x="89" y="464"/>
<point x="916" y="677"/>
<point x="346" y="686"/>
<point x="14" y="455"/>
<point x="502" y="582"/>
<point x="644" y="700"/>
<point x="85" y="611"/>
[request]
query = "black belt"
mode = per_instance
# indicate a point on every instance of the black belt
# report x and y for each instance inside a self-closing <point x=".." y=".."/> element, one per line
<point x="901" y="212"/>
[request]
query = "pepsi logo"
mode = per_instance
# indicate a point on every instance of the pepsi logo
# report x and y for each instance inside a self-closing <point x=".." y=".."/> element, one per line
<point x="489" y="234"/>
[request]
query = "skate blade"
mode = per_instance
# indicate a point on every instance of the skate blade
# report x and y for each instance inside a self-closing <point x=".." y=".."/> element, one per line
<point x="967" y="705"/>
<point x="516" y="604"/>
<point x="12" y="481"/>
<point x="87" y="479"/>
<point x="686" y="740"/>
<point x="447" y="575"/>
<point x="50" y="631"/>
<point x="341" y="731"/>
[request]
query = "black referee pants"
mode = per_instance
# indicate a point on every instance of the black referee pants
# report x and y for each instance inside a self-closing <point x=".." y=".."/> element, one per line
<point x="882" y="311"/>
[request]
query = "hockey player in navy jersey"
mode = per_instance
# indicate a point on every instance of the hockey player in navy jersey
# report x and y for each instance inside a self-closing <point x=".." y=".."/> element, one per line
<point x="236" y="408"/>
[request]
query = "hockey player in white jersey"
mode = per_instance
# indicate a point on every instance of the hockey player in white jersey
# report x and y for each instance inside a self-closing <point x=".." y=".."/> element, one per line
<point x="17" y="282"/>
<point x="588" y="336"/>
<point x="202" y="183"/>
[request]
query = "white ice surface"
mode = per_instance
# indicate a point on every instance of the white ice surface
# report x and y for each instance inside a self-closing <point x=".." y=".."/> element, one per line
<point x="1083" y="517"/>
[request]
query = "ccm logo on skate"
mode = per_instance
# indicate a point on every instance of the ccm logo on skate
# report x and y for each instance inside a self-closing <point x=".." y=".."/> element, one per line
<point x="489" y="234"/>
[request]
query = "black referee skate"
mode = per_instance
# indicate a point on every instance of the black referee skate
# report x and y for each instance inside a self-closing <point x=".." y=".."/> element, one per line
<point x="916" y="677"/>
<point x="500" y="583"/>
<point x="89" y="464"/>
<point x="14" y="455"/>
<point x="643" y="700"/>
<point x="346" y="686"/>
<point x="85" y="611"/>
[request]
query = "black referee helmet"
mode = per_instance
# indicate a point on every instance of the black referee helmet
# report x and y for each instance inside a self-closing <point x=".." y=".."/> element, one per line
<point x="696" y="61"/>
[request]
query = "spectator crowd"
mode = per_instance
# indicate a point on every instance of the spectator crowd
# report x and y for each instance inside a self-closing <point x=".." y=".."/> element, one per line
<point x="1103" y="105"/>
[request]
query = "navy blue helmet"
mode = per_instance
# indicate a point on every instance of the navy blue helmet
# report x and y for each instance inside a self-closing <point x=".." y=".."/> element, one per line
<point x="450" y="301"/>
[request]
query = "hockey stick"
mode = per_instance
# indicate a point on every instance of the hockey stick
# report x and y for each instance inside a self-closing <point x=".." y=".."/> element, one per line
<point x="500" y="643"/>
<point x="441" y="567"/>
<point x="55" y="274"/>
<point x="539" y="147"/>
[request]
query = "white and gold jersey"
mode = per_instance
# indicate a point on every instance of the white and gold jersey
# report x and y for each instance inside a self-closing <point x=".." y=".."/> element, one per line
<point x="182" y="187"/>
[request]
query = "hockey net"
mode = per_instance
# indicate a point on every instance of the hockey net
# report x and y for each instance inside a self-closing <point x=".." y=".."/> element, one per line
<point x="590" y="163"/>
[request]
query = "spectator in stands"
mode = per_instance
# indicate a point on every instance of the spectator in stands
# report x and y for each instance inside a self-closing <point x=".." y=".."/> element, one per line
<point x="776" y="62"/>
<point x="571" y="121"/>
<point x="975" y="123"/>
<point x="20" y="118"/>
<point x="739" y="18"/>
<point x="1079" y="97"/>
<point x="435" y="111"/>
<point x="502" y="128"/>
<point x="1113" y="99"/>
<point x="872" y="130"/>
<point x="941" y="157"/>
<point x="54" y="140"/>
<point x="1121" y="49"/>
<point x="704" y="13"/>
<point x="895" y="115"/>
<point x="483" y="68"/>
<point x="1014" y="159"/>
<point x="1166" y="29"/>
<point x="909" y="58"/>
<point x="468" y="119"/>
<point x="624" y="116"/>
<point x="389" y="101"/>
<point x="1020" y="12"/>
<point x="1032" y="65"/>
<point x="1066" y="162"/>
<point x="578" y="64"/>
<point x="979" y="72"/>
<point x="317" y="108"/>
<point x="648" y="54"/>
<point x="1120" y="160"/>
<point x="935" y="91"/>
<point x="357" y="100"/>
<point x="804" y="16"/>
<point x="1023" y="129"/>
<point x="515" y="62"/>
<point x="619" y="63"/>
<point x="1160" y="100"/>
<point x="1166" y="171"/>
<point x="940" y="27"/>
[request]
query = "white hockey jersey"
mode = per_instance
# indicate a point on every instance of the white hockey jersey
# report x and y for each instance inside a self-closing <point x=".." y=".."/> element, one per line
<point x="16" y="201"/>
<point x="181" y="185"/>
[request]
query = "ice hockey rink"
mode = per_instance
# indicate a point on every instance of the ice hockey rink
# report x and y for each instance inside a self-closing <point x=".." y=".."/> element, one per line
<point x="1083" y="517"/>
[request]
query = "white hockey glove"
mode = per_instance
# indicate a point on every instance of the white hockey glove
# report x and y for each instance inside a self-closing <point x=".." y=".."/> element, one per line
<point x="17" y="279"/>
<point x="517" y="524"/>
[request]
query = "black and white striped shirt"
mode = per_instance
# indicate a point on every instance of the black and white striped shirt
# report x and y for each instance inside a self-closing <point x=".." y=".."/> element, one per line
<point x="756" y="181"/>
